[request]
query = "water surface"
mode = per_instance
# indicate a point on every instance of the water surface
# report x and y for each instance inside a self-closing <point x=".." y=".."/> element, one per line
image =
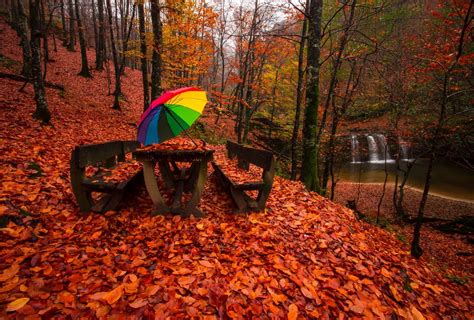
<point x="448" y="179"/>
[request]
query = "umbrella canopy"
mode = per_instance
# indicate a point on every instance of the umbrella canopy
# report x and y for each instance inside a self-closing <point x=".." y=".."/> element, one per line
<point x="170" y="114"/>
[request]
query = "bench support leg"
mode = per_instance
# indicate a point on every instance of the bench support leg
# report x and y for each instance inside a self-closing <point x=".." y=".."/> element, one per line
<point x="200" y="181"/>
<point x="152" y="188"/>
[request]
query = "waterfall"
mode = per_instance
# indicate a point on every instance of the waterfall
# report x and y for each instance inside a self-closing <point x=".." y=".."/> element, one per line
<point x="403" y="149"/>
<point x="383" y="146"/>
<point x="355" y="149"/>
<point x="373" y="149"/>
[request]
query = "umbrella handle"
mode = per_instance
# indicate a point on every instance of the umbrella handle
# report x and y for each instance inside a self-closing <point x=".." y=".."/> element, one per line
<point x="179" y="124"/>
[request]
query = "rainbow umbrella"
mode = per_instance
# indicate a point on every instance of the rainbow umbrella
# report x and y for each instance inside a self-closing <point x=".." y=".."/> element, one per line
<point x="170" y="114"/>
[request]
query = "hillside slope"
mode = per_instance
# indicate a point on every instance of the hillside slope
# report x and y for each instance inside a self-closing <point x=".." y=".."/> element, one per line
<point x="303" y="256"/>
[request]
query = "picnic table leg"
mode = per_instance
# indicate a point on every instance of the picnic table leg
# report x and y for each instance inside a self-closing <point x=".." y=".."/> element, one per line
<point x="199" y="187"/>
<point x="152" y="188"/>
<point x="166" y="174"/>
<point x="176" y="206"/>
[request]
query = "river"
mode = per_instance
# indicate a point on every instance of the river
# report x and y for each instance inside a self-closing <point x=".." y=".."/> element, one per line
<point x="449" y="179"/>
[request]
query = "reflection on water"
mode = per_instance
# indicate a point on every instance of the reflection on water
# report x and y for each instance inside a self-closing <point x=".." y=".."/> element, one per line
<point x="448" y="179"/>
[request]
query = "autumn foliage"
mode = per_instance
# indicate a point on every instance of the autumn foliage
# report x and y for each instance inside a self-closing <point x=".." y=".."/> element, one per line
<point x="303" y="257"/>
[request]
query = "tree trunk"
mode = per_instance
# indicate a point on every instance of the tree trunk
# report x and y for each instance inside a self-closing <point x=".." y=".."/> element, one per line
<point x="22" y="32"/>
<point x="100" y="57"/>
<point x="416" y="250"/>
<point x="72" y="36"/>
<point x="44" y="32"/>
<point x="299" y="97"/>
<point x="141" y="18"/>
<point x="82" y="42"/>
<point x="94" y="24"/>
<point x="41" y="113"/>
<point x="156" y="88"/>
<point x="309" y="170"/>
<point x="118" y="89"/>
<point x="63" y="22"/>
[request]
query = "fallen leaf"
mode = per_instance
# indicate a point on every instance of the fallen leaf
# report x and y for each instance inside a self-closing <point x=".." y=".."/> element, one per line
<point x="17" y="304"/>
<point x="292" y="312"/>
<point x="416" y="314"/>
<point x="114" y="295"/>
<point x="10" y="272"/>
<point x="138" y="303"/>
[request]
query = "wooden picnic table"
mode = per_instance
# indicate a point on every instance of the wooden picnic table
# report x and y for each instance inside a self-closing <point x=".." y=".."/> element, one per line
<point x="185" y="179"/>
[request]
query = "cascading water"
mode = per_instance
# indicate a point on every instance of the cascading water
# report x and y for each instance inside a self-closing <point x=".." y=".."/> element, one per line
<point x="383" y="146"/>
<point x="355" y="149"/>
<point x="373" y="149"/>
<point x="403" y="149"/>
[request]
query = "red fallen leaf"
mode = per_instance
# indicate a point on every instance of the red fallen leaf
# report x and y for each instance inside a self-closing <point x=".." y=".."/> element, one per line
<point x="416" y="314"/>
<point x="395" y="293"/>
<point x="206" y="263"/>
<point x="10" y="272"/>
<point x="182" y="271"/>
<point x="114" y="295"/>
<point x="131" y="283"/>
<point x="306" y="293"/>
<point x="66" y="298"/>
<point x="97" y="296"/>
<point x="186" y="281"/>
<point x="292" y="312"/>
<point x="138" y="303"/>
<point x="152" y="290"/>
<point x="16" y="304"/>
<point x="9" y="285"/>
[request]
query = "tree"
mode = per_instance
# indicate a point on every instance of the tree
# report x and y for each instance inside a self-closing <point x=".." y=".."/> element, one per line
<point x="156" y="62"/>
<point x="309" y="169"/>
<point x="72" y="36"/>
<point x="143" y="58"/>
<point x="22" y="31"/>
<point x="82" y="42"/>
<point x="118" y="89"/>
<point x="100" y="57"/>
<point x="299" y="95"/>
<point x="41" y="113"/>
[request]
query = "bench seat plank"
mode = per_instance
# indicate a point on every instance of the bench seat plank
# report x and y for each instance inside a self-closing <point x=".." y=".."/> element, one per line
<point x="105" y="154"/>
<point x="245" y="155"/>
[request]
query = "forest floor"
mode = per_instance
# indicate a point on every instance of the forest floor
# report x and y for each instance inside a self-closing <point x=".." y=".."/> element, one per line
<point x="448" y="241"/>
<point x="304" y="256"/>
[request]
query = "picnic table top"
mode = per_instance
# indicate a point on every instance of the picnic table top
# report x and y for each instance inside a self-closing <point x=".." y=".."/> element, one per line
<point x="173" y="154"/>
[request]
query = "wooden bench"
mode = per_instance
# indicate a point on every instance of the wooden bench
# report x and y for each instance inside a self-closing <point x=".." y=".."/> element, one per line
<point x="105" y="155"/>
<point x="245" y="156"/>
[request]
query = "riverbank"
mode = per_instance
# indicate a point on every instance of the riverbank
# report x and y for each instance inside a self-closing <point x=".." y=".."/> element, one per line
<point x="452" y="254"/>
<point x="368" y="195"/>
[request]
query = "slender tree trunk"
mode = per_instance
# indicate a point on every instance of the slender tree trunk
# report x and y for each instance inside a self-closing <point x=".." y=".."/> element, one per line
<point x="141" y="18"/>
<point x="63" y="22"/>
<point x="24" y="42"/>
<point x="416" y="250"/>
<point x="379" y="205"/>
<point x="337" y="66"/>
<point x="41" y="113"/>
<point x="118" y="89"/>
<point x="13" y="15"/>
<point x="299" y="97"/>
<point x="72" y="36"/>
<point x="156" y="88"/>
<point x="100" y="57"/>
<point x="309" y="170"/>
<point x="96" y="34"/>
<point x="44" y="33"/>
<point x="82" y="42"/>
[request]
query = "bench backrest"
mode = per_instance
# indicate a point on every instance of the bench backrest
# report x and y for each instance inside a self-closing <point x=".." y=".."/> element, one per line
<point x="245" y="155"/>
<point x="106" y="154"/>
